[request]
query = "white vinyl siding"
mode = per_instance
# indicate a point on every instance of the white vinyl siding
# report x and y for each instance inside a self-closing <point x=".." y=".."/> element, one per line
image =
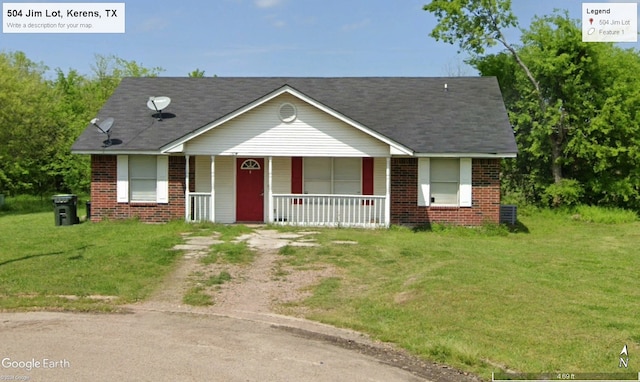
<point x="444" y="182"/>
<point x="225" y="203"/>
<point x="341" y="176"/>
<point x="261" y="133"/>
<point x="203" y="173"/>
<point x="281" y="175"/>
<point x="142" y="179"/>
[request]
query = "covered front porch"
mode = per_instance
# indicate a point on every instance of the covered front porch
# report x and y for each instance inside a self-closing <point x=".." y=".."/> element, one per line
<point x="354" y="192"/>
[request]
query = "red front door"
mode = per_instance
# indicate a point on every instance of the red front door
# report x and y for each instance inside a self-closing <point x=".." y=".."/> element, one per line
<point x="250" y="189"/>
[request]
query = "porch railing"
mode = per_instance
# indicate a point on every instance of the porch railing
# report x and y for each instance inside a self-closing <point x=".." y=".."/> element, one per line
<point x="199" y="207"/>
<point x="329" y="210"/>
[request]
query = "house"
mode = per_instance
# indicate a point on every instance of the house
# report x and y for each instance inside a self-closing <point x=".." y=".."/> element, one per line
<point x="365" y="152"/>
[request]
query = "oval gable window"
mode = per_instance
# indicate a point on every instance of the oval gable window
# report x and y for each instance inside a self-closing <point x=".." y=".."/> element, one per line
<point x="287" y="112"/>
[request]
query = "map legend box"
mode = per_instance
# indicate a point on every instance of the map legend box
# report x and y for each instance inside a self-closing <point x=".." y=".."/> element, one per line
<point x="610" y="22"/>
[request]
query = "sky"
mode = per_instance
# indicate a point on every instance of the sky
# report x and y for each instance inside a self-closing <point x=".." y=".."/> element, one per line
<point x="323" y="38"/>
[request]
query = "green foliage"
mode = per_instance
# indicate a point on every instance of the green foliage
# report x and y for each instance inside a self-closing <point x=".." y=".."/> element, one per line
<point x="229" y="252"/>
<point x="558" y="294"/>
<point x="40" y="119"/>
<point x="25" y="204"/>
<point x="218" y="279"/>
<point x="197" y="73"/>
<point x="197" y="296"/>
<point x="473" y="24"/>
<point x="592" y="119"/>
<point x="40" y="262"/>
<point x="603" y="215"/>
<point x="566" y="193"/>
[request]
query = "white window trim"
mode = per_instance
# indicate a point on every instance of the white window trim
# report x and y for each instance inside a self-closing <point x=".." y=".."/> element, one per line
<point x="465" y="194"/>
<point x="465" y="189"/>
<point x="162" y="180"/>
<point x="123" y="179"/>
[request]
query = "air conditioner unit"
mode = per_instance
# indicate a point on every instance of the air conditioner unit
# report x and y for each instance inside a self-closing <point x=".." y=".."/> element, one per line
<point x="508" y="214"/>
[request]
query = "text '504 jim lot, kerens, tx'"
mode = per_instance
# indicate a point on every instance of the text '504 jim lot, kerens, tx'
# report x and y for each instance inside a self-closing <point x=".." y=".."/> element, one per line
<point x="63" y="18"/>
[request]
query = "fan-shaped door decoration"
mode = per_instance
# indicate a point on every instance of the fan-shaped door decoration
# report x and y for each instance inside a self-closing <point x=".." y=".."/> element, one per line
<point x="250" y="164"/>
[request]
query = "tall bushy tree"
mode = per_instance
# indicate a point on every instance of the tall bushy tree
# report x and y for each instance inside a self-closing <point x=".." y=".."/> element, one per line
<point x="572" y="110"/>
<point x="40" y="119"/>
<point x="596" y="93"/>
<point x="28" y="134"/>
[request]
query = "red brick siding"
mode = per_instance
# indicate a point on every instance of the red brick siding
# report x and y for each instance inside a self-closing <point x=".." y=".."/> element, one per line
<point x="485" y="181"/>
<point x="103" y="193"/>
<point x="404" y="194"/>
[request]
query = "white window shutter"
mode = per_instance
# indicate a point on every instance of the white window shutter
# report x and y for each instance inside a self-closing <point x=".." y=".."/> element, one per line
<point x="424" y="192"/>
<point x="162" y="189"/>
<point x="122" y="179"/>
<point x="465" y="183"/>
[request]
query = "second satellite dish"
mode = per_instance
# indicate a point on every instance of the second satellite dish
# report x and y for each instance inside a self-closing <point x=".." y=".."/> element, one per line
<point x="105" y="128"/>
<point x="158" y="104"/>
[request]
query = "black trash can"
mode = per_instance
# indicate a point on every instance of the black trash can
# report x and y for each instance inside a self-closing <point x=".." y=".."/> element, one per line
<point x="65" y="209"/>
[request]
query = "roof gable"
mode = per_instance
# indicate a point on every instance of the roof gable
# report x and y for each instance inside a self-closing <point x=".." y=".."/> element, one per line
<point x="286" y="89"/>
<point x="412" y="113"/>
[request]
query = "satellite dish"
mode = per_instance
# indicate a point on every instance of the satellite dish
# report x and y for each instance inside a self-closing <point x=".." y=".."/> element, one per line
<point x="158" y="104"/>
<point x="104" y="127"/>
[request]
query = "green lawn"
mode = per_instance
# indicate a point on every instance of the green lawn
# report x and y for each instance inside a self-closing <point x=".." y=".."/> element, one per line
<point x="40" y="263"/>
<point x="558" y="295"/>
<point x="562" y="297"/>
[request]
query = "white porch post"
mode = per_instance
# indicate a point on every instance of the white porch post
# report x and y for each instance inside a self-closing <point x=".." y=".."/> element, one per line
<point x="270" y="192"/>
<point x="387" y="204"/>
<point x="212" y="203"/>
<point x="187" y="201"/>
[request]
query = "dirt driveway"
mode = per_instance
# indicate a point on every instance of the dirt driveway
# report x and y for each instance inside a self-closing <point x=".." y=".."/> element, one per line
<point x="239" y="338"/>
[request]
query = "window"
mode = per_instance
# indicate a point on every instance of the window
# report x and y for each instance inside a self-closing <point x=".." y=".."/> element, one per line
<point x="332" y="176"/>
<point x="250" y="164"/>
<point x="444" y="182"/>
<point x="142" y="179"/>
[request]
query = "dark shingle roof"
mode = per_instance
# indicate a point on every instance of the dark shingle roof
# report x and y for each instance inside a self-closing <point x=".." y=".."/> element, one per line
<point x="469" y="117"/>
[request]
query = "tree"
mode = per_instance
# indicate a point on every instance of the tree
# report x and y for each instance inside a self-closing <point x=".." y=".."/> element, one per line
<point x="108" y="71"/>
<point x="28" y="134"/>
<point x="596" y="92"/>
<point x="197" y="73"/>
<point x="40" y="119"/>
<point x="478" y="24"/>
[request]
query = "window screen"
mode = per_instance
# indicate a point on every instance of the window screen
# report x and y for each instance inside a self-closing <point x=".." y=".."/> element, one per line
<point x="333" y="176"/>
<point x="142" y="178"/>
<point x="445" y="181"/>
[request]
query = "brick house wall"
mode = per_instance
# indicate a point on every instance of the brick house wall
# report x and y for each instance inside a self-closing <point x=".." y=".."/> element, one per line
<point x="485" y="180"/>
<point x="103" y="193"/>
<point x="404" y="194"/>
